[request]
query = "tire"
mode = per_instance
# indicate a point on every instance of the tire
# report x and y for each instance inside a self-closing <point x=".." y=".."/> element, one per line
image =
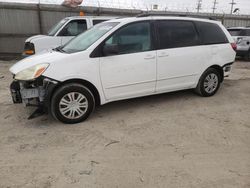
<point x="247" y="56"/>
<point x="72" y="103"/>
<point x="206" y="88"/>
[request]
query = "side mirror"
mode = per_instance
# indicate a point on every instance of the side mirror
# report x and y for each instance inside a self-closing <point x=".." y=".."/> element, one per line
<point x="110" y="49"/>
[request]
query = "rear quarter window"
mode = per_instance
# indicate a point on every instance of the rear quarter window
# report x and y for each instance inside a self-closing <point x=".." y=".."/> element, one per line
<point x="211" y="33"/>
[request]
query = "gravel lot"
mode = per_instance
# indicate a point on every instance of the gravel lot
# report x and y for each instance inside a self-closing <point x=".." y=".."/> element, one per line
<point x="171" y="140"/>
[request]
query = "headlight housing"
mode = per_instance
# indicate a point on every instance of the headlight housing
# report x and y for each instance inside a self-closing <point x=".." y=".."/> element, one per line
<point x="32" y="72"/>
<point x="29" y="48"/>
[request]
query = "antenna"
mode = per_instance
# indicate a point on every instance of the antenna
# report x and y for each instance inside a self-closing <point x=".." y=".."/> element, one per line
<point x="232" y="6"/>
<point x="214" y="6"/>
<point x="199" y="4"/>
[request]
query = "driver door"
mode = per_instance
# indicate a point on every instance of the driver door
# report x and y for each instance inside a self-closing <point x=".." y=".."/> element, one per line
<point x="131" y="71"/>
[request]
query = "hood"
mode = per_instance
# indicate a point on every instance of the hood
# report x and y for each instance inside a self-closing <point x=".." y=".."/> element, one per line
<point x="46" y="57"/>
<point x="35" y="37"/>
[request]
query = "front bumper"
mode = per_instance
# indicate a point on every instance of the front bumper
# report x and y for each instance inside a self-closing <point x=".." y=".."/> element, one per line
<point x="15" y="92"/>
<point x="33" y="93"/>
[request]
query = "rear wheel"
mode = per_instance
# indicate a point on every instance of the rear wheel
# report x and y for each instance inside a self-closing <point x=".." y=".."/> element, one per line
<point x="247" y="56"/>
<point x="72" y="103"/>
<point x="209" y="83"/>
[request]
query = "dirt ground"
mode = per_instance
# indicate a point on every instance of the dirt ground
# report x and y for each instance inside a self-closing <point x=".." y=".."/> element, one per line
<point x="171" y="140"/>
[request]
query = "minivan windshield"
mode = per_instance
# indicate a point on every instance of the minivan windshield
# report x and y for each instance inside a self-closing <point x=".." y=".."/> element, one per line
<point x="56" y="27"/>
<point x="89" y="37"/>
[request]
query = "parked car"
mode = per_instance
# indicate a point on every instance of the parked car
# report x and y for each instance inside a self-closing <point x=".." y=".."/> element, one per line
<point x="241" y="36"/>
<point x="61" y="33"/>
<point x="125" y="58"/>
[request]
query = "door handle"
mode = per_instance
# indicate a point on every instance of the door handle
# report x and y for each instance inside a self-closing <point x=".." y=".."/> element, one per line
<point x="163" y="55"/>
<point x="149" y="57"/>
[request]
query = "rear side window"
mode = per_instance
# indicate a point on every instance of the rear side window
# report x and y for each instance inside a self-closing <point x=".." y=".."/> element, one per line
<point x="98" y="21"/>
<point x="174" y="34"/>
<point x="211" y="33"/>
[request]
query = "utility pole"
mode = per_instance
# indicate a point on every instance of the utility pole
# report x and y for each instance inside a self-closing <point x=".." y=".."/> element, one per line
<point x="199" y="4"/>
<point x="39" y="17"/>
<point x="214" y="7"/>
<point x="232" y="6"/>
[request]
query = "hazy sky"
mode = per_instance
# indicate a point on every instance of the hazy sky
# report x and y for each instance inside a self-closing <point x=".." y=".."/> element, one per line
<point x="175" y="5"/>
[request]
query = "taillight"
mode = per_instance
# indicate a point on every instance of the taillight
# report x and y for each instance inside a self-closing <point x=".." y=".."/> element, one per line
<point x="234" y="46"/>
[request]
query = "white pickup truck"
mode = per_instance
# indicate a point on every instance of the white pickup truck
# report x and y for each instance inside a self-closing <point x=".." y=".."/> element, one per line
<point x="61" y="33"/>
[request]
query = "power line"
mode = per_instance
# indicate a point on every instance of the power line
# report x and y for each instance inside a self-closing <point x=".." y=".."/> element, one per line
<point x="199" y="5"/>
<point x="232" y="6"/>
<point x="214" y="7"/>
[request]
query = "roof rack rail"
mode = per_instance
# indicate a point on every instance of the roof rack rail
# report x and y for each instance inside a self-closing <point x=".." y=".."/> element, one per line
<point x="177" y="15"/>
<point x="147" y="14"/>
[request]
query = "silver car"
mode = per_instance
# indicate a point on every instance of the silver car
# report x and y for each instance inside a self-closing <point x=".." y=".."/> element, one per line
<point x="241" y="36"/>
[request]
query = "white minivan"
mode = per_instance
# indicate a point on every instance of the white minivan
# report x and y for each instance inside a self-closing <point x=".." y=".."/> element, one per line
<point x="125" y="58"/>
<point x="61" y="33"/>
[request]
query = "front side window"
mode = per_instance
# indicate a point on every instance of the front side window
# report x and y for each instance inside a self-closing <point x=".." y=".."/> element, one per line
<point x="89" y="37"/>
<point x="74" y="28"/>
<point x="175" y="34"/>
<point x="211" y="33"/>
<point x="56" y="27"/>
<point x="133" y="38"/>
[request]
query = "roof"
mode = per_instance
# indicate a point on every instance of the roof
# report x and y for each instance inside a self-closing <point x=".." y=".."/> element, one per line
<point x="238" y="28"/>
<point x="93" y="17"/>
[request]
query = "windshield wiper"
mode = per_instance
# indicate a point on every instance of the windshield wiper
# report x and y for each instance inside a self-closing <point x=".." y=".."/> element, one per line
<point x="59" y="49"/>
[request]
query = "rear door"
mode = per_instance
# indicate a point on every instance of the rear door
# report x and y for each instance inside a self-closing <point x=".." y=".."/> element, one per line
<point x="179" y="56"/>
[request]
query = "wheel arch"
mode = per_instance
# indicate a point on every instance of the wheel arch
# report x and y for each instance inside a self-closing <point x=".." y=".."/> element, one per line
<point x="85" y="83"/>
<point x="219" y="69"/>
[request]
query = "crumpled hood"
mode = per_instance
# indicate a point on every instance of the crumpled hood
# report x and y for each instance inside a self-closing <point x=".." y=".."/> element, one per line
<point x="35" y="37"/>
<point x="45" y="57"/>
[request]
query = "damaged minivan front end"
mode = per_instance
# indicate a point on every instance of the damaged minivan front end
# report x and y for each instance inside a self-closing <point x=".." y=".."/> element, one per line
<point x="31" y="88"/>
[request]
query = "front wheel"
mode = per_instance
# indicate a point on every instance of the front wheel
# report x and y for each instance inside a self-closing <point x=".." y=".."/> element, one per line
<point x="72" y="103"/>
<point x="209" y="83"/>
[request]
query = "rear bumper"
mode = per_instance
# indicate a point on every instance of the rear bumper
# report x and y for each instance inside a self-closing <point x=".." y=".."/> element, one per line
<point x="227" y="69"/>
<point x="241" y="53"/>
